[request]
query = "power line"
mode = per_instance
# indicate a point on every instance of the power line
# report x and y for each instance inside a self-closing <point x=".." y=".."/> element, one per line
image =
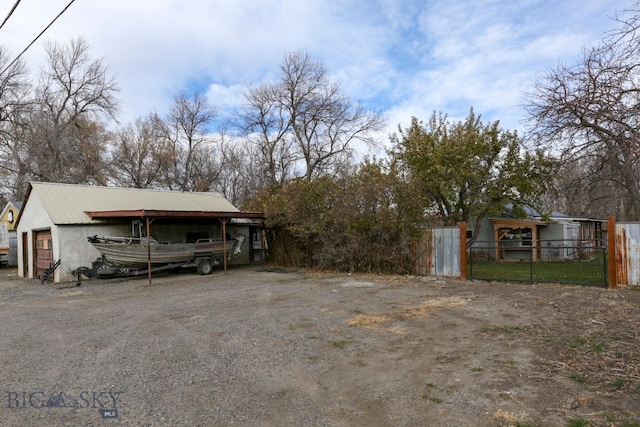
<point x="38" y="36"/>
<point x="10" y="13"/>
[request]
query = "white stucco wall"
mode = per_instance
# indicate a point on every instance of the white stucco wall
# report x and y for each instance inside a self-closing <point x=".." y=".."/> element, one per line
<point x="74" y="248"/>
<point x="33" y="218"/>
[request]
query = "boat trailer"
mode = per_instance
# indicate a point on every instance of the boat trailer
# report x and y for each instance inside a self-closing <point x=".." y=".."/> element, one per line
<point x="102" y="268"/>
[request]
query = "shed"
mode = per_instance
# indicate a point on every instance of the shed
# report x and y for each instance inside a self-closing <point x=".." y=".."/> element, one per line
<point x="56" y="220"/>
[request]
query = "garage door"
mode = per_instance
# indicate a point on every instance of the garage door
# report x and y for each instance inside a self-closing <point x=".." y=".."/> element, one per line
<point x="44" y="251"/>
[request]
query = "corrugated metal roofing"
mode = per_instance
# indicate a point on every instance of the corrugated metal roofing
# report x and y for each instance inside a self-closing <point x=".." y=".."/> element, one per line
<point x="67" y="203"/>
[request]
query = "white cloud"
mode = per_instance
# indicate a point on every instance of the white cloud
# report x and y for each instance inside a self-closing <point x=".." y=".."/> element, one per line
<point x="406" y="58"/>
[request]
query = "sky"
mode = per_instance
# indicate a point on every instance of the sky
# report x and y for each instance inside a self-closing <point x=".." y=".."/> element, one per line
<point x="404" y="58"/>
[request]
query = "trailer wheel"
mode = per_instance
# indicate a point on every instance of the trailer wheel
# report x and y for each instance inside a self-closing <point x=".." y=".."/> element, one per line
<point x="205" y="266"/>
<point x="106" y="272"/>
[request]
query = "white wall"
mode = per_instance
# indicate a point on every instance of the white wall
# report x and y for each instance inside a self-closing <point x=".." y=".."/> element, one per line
<point x="33" y="217"/>
<point x="75" y="249"/>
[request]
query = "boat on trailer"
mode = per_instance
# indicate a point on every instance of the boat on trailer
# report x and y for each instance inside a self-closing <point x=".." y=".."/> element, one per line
<point x="135" y="251"/>
<point x="130" y="256"/>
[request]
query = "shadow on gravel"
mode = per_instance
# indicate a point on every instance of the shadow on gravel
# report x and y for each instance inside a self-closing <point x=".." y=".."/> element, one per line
<point x="278" y="270"/>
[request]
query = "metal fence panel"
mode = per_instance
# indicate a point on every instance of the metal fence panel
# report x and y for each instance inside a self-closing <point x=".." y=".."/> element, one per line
<point x="628" y="253"/>
<point x="438" y="252"/>
<point x="580" y="261"/>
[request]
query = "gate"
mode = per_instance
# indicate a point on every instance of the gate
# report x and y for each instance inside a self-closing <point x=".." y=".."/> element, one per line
<point x="554" y="261"/>
<point x="438" y="252"/>
<point x="627" y="242"/>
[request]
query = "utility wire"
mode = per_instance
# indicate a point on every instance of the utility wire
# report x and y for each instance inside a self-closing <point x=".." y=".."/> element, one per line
<point x="10" y="13"/>
<point x="37" y="37"/>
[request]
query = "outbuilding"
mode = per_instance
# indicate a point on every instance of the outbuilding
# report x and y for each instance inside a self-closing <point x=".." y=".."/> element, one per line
<point x="56" y="221"/>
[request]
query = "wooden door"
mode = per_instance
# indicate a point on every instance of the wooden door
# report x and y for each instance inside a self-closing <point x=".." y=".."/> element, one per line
<point x="43" y="251"/>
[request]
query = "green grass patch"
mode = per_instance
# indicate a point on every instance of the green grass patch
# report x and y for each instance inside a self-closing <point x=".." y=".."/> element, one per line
<point x="575" y="342"/>
<point x="617" y="383"/>
<point x="579" y="422"/>
<point x="591" y="271"/>
<point x="577" y="377"/>
<point x="599" y="347"/>
<point x="427" y="395"/>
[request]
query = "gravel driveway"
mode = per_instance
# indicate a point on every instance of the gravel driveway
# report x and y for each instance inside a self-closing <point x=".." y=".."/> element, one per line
<point x="279" y="347"/>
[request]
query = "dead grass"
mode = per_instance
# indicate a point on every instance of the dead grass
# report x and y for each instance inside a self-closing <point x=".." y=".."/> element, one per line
<point x="423" y="309"/>
<point x="70" y="294"/>
<point x="506" y="418"/>
<point x="427" y="307"/>
<point x="369" y="321"/>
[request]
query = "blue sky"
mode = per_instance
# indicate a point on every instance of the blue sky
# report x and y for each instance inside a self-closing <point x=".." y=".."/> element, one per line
<point x="405" y="57"/>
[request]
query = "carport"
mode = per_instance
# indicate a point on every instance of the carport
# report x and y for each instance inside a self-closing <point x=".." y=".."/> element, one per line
<point x="56" y="221"/>
<point x="149" y="216"/>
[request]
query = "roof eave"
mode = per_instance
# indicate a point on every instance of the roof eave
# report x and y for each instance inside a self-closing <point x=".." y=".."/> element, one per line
<point x="144" y="213"/>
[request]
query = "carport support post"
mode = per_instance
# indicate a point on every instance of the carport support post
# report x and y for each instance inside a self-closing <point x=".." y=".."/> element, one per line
<point x="463" y="250"/>
<point x="149" y="248"/>
<point x="611" y="252"/>
<point x="224" y="241"/>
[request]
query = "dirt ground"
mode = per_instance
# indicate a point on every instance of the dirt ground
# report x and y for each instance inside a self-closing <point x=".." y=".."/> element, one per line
<point x="262" y="346"/>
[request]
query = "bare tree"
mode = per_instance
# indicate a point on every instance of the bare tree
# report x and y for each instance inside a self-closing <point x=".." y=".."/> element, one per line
<point x="305" y="120"/>
<point x="139" y="155"/>
<point x="66" y="140"/>
<point x="241" y="177"/>
<point x="267" y="124"/>
<point x="15" y="104"/>
<point x="193" y="165"/>
<point x="590" y="113"/>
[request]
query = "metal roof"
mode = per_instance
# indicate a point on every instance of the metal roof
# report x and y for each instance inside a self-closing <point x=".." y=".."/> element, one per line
<point x="77" y="204"/>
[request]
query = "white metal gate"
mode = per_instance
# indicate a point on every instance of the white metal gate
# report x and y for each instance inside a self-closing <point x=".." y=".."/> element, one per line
<point x="438" y="252"/>
<point x="628" y="253"/>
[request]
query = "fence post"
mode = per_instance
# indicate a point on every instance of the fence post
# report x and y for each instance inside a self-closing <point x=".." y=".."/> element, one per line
<point x="463" y="250"/>
<point x="611" y="252"/>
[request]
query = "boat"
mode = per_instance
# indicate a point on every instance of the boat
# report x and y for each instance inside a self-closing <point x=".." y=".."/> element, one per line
<point x="135" y="251"/>
<point x="133" y="256"/>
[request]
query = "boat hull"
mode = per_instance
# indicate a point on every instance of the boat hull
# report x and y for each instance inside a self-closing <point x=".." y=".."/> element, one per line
<point x="137" y="252"/>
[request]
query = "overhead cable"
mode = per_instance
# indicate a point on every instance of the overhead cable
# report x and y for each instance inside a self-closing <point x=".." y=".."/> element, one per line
<point x="10" y="13"/>
<point x="37" y="37"/>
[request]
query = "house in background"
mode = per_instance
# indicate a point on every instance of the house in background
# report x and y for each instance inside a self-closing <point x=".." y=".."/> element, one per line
<point x="56" y="220"/>
<point x="536" y="238"/>
<point x="8" y="241"/>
